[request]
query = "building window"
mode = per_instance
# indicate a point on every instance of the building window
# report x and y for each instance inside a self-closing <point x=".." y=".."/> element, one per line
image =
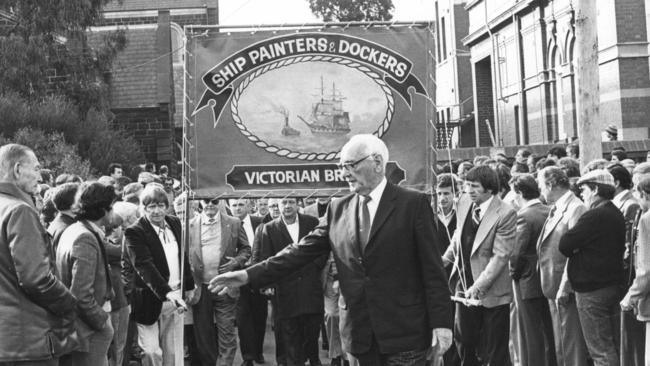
<point x="178" y="44"/>
<point x="438" y="45"/>
<point x="443" y="35"/>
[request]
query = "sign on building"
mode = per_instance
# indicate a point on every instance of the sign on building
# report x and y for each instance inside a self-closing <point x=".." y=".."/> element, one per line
<point x="270" y="110"/>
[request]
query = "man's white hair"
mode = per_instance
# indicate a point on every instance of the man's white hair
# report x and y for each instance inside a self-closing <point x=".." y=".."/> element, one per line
<point x="369" y="145"/>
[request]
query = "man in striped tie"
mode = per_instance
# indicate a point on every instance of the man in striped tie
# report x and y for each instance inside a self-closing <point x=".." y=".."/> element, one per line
<point x="479" y="251"/>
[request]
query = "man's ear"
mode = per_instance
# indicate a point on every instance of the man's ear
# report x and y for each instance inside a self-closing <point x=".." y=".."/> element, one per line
<point x="16" y="170"/>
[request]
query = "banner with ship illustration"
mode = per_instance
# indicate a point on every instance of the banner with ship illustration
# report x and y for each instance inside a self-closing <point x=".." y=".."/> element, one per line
<point x="270" y="110"/>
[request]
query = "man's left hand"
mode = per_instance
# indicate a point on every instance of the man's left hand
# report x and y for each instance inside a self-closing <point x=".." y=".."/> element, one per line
<point x="231" y="265"/>
<point x="442" y="338"/>
<point x="473" y="293"/>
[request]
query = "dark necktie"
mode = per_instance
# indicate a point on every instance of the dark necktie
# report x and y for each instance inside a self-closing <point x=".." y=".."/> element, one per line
<point x="364" y="222"/>
<point x="476" y="215"/>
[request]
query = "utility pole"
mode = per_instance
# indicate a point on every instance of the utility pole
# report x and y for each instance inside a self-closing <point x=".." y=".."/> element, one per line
<point x="587" y="76"/>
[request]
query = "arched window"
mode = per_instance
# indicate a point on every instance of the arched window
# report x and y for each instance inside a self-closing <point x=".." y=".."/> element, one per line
<point x="178" y="44"/>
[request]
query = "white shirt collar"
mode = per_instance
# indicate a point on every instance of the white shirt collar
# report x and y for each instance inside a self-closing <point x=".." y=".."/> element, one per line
<point x="205" y="220"/>
<point x="376" y="193"/>
<point x="618" y="199"/>
<point x="484" y="206"/>
<point x="562" y="201"/>
<point x="247" y="220"/>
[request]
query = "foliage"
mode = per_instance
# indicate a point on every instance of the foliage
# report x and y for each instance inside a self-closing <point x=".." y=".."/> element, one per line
<point x="352" y="10"/>
<point x="44" y="49"/>
<point x="96" y="140"/>
<point x="52" y="151"/>
<point x="55" y="83"/>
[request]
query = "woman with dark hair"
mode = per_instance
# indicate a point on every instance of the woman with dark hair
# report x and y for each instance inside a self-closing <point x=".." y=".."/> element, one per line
<point x="81" y="261"/>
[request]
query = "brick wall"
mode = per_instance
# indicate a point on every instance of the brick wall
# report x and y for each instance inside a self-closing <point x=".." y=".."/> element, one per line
<point x="151" y="127"/>
<point x="630" y="20"/>
<point x="209" y="17"/>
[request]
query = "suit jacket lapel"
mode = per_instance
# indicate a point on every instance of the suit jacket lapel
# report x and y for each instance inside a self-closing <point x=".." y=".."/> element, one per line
<point x="487" y="222"/>
<point x="352" y="224"/>
<point x="552" y="222"/>
<point x="302" y="227"/>
<point x="386" y="206"/>
<point x="155" y="239"/>
<point x="195" y="239"/>
<point x="282" y="227"/>
<point x="226" y="229"/>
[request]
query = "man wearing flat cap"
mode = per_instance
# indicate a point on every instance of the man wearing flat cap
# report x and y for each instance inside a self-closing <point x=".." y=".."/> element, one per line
<point x="611" y="133"/>
<point x="595" y="247"/>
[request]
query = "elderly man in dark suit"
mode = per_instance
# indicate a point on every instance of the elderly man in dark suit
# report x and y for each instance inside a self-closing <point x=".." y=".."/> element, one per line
<point x="566" y="209"/>
<point x="395" y="301"/>
<point x="158" y="304"/>
<point x="536" y="345"/>
<point x="298" y="298"/>
<point x="479" y="251"/>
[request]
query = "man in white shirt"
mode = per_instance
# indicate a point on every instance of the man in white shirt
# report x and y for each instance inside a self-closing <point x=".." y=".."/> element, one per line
<point x="155" y="241"/>
<point x="213" y="249"/>
<point x="298" y="301"/>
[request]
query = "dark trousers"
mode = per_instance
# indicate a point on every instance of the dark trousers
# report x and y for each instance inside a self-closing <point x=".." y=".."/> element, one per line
<point x="252" y="311"/>
<point x="215" y="346"/>
<point x="280" y="348"/>
<point x="632" y="340"/>
<point x="535" y="333"/>
<point x="373" y="357"/>
<point x="481" y="335"/>
<point x="300" y="334"/>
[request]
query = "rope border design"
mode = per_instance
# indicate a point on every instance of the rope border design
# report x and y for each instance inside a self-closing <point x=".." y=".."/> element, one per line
<point x="234" y="104"/>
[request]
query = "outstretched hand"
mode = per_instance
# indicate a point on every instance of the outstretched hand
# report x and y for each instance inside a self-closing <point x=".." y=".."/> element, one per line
<point x="220" y="284"/>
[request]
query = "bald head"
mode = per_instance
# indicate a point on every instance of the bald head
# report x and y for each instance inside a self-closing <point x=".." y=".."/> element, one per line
<point x="19" y="165"/>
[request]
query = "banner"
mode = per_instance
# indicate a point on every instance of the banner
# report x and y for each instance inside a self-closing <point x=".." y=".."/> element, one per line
<point x="263" y="100"/>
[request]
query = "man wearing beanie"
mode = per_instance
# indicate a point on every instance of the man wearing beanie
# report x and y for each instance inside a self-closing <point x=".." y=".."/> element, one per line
<point x="595" y="247"/>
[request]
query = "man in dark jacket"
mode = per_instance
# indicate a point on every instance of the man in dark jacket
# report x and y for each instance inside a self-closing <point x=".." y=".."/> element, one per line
<point x="595" y="247"/>
<point x="37" y="309"/>
<point x="155" y="241"/>
<point x="299" y="297"/>
<point x="535" y="331"/>
<point x="395" y="302"/>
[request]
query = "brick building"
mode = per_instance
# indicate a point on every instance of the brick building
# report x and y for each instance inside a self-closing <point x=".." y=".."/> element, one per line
<point x="454" y="94"/>
<point x="147" y="77"/>
<point x="521" y="62"/>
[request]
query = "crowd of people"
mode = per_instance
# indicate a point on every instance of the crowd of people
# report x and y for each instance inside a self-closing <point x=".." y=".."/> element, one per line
<point x="556" y="258"/>
<point x="524" y="261"/>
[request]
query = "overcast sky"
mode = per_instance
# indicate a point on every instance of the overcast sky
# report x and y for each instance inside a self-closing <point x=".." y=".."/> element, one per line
<point x="254" y="12"/>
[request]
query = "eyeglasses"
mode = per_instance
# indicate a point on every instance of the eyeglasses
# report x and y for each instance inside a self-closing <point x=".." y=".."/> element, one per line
<point x="352" y="165"/>
<point x="153" y="206"/>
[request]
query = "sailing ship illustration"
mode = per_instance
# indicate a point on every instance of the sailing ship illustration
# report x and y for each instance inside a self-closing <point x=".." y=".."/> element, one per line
<point x="327" y="114"/>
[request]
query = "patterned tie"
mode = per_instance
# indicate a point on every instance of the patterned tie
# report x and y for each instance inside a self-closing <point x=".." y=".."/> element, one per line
<point x="476" y="215"/>
<point x="364" y="222"/>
